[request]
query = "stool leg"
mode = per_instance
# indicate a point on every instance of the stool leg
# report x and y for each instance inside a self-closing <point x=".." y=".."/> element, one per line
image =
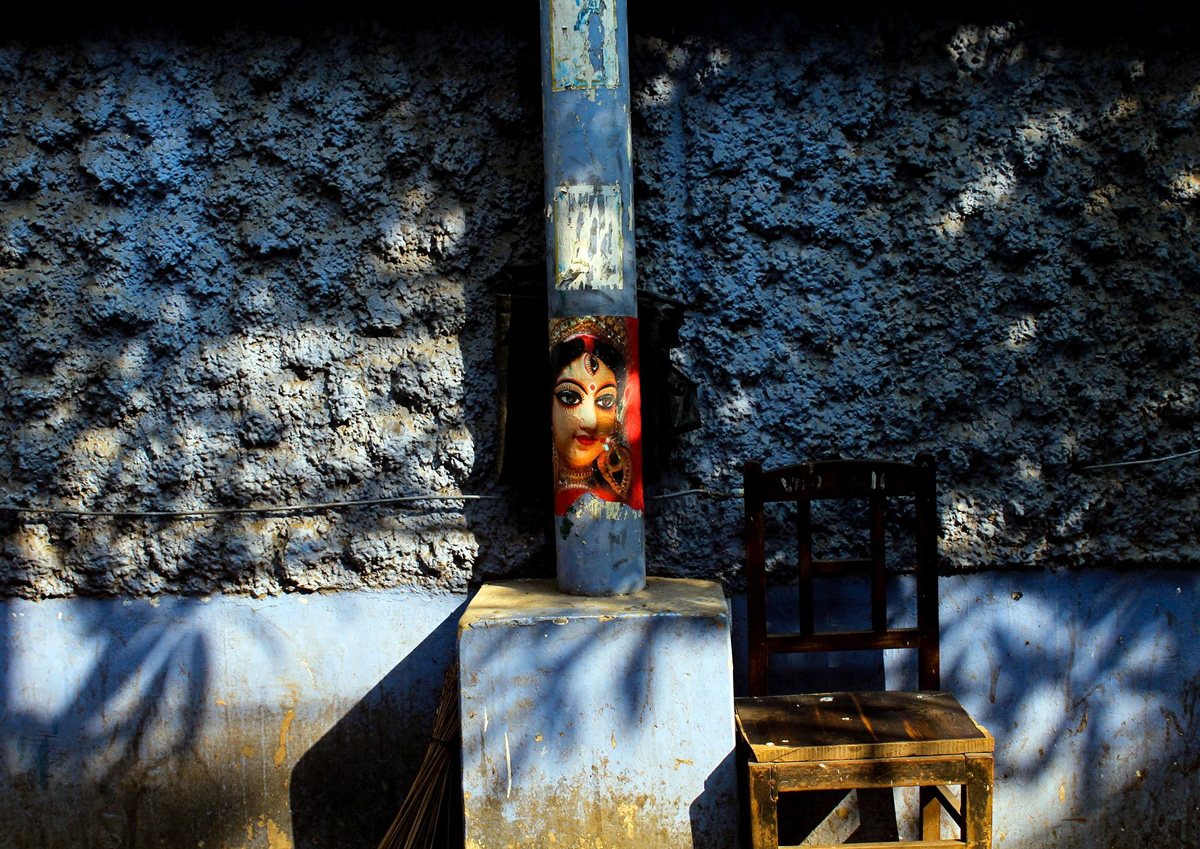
<point x="931" y="814"/>
<point x="977" y="802"/>
<point x="764" y="807"/>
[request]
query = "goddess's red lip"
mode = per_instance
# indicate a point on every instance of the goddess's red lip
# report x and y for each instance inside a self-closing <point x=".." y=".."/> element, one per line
<point x="586" y="440"/>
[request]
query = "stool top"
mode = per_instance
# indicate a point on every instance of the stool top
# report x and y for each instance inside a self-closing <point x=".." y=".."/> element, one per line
<point x="528" y="602"/>
<point x="845" y="726"/>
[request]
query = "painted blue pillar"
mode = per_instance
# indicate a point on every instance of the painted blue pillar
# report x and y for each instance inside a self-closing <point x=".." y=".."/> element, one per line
<point x="595" y="379"/>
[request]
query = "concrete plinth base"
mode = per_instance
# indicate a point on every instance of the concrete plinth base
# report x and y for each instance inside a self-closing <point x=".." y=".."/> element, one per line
<point x="597" y="722"/>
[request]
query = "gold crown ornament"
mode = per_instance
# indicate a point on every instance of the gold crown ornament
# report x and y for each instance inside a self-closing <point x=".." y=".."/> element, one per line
<point x="604" y="328"/>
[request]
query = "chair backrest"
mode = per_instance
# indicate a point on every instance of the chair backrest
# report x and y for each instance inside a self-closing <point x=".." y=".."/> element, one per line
<point x="877" y="483"/>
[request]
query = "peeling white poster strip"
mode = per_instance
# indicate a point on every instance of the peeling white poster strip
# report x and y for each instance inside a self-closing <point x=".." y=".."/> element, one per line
<point x="584" y="41"/>
<point x="587" y="237"/>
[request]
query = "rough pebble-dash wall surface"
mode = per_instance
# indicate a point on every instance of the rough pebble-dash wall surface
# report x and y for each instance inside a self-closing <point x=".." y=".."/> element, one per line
<point x="249" y="267"/>
<point x="252" y="270"/>
<point x="970" y="238"/>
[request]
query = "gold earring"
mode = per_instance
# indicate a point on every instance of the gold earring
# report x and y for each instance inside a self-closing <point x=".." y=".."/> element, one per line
<point x="616" y="467"/>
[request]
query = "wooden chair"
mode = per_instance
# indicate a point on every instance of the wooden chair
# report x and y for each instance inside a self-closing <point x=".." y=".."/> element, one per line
<point x="844" y="741"/>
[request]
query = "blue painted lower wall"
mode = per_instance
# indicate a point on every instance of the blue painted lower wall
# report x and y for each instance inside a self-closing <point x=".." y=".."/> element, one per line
<point x="295" y="721"/>
<point x="1088" y="680"/>
<point x="298" y="721"/>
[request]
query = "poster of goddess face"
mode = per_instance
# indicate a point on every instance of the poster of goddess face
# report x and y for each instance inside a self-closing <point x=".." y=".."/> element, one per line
<point x="596" y="410"/>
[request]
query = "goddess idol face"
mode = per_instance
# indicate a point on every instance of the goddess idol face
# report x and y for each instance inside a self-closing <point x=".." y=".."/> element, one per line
<point x="584" y="411"/>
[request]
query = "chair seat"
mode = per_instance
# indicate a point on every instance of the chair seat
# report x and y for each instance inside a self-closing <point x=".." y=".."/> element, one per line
<point x="853" y="726"/>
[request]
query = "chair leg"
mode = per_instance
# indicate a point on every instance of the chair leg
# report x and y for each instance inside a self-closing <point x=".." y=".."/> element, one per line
<point x="931" y="814"/>
<point x="977" y="801"/>
<point x="764" y="807"/>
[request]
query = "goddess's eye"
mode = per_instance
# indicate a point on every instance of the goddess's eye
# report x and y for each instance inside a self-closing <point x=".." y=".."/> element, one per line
<point x="606" y="402"/>
<point x="568" y="397"/>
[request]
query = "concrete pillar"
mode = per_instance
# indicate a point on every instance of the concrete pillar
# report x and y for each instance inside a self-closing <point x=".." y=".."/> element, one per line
<point x="599" y="722"/>
<point x="596" y="396"/>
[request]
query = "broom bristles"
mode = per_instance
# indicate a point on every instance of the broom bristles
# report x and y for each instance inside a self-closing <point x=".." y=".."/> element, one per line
<point x="416" y="825"/>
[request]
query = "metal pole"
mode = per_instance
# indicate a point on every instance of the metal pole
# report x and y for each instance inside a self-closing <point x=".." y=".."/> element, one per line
<point x="595" y="392"/>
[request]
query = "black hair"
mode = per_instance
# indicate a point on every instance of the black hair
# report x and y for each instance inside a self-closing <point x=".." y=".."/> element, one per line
<point x="565" y="353"/>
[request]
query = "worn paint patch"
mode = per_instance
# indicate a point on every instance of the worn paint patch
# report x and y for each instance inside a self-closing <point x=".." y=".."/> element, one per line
<point x="276" y="837"/>
<point x="583" y="39"/>
<point x="587" y="237"/>
<point x="281" y="751"/>
<point x="579" y="817"/>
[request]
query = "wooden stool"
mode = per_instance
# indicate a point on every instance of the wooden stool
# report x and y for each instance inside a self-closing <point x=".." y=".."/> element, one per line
<point x="849" y="740"/>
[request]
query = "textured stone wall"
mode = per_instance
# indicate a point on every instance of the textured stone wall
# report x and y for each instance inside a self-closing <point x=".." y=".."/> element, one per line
<point x="245" y="266"/>
<point x="972" y="238"/>
<point x="252" y="269"/>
